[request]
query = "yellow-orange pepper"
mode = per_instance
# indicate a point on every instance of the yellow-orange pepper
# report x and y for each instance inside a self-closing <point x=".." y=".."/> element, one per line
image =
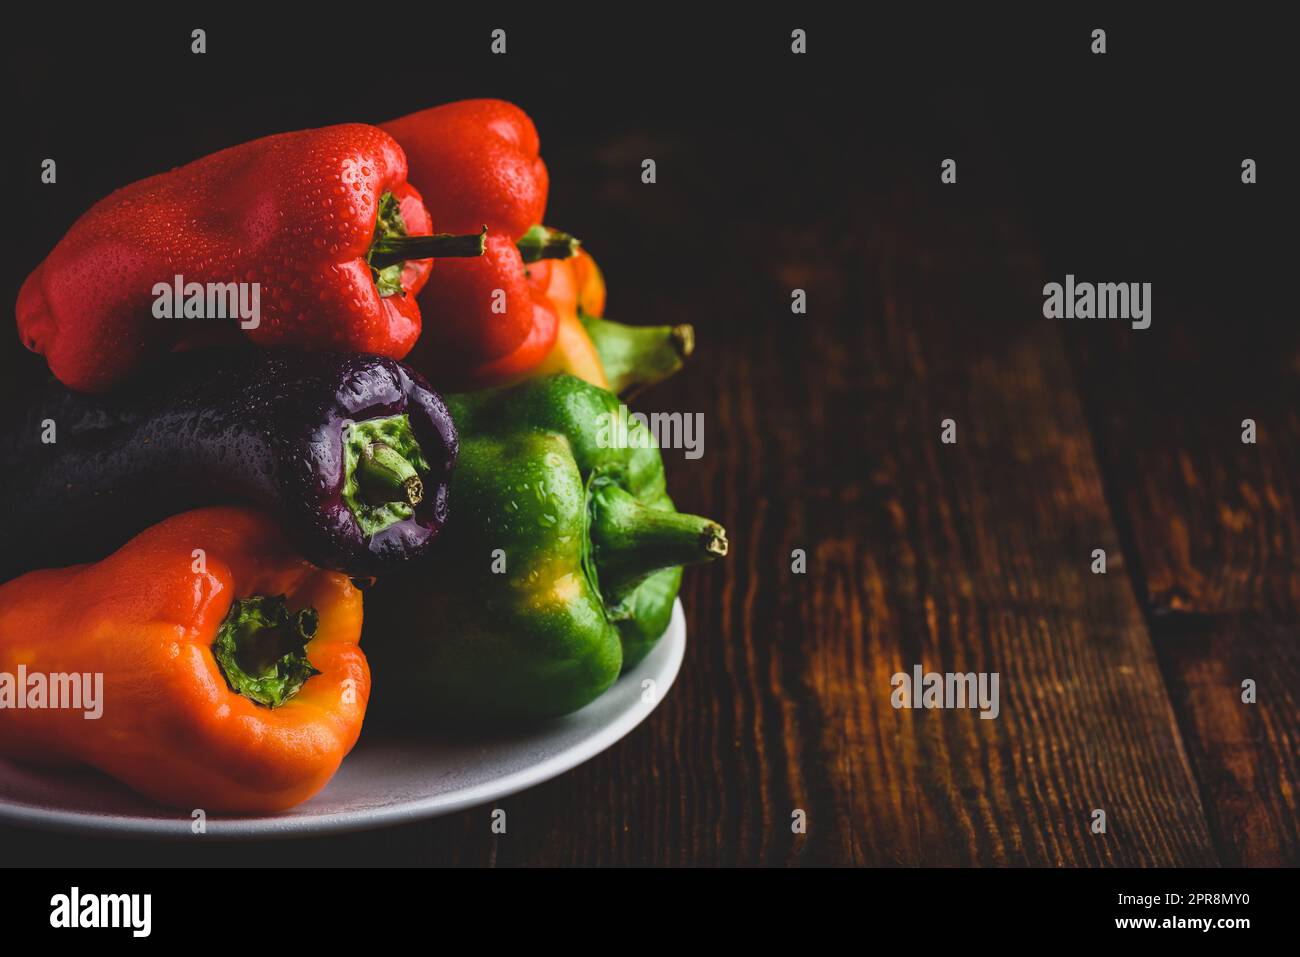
<point x="590" y="282"/>
<point x="608" y="354"/>
<point x="232" y="678"/>
<point x="574" y="352"/>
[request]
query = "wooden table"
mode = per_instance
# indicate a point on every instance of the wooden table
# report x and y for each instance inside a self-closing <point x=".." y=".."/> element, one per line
<point x="1119" y="691"/>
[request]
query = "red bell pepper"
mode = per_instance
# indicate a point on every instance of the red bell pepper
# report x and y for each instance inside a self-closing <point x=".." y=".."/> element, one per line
<point x="489" y="320"/>
<point x="477" y="162"/>
<point x="322" y="220"/>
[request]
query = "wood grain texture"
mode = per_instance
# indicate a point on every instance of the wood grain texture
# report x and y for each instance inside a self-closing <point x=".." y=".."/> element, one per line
<point x="1213" y="525"/>
<point x="971" y="557"/>
<point x="1246" y="755"/>
<point x="1215" y="521"/>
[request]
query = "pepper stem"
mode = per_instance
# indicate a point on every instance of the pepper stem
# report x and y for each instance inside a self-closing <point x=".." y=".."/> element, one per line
<point x="630" y="540"/>
<point x="261" y="648"/>
<point x="542" y="242"/>
<point x="382" y="469"/>
<point x="385" y="475"/>
<point x="635" y="357"/>
<point x="389" y="250"/>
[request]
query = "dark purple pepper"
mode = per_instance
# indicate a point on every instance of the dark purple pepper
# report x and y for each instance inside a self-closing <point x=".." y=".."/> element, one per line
<point x="268" y="428"/>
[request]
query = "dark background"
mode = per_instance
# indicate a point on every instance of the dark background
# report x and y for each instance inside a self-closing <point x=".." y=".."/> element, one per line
<point x="822" y="171"/>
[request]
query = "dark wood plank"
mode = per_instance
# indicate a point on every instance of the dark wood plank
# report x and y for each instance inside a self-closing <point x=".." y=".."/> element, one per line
<point x="1215" y="521"/>
<point x="975" y="557"/>
<point x="1245" y="755"/>
<point x="1214" y="525"/>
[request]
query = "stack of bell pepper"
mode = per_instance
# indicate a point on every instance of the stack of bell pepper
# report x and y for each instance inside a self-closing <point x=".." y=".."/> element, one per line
<point x="233" y="482"/>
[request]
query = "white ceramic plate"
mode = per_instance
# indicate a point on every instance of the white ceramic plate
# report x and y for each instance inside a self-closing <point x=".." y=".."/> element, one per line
<point x="383" y="781"/>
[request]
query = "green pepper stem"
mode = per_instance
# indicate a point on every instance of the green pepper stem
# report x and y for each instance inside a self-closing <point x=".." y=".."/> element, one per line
<point x="383" y="471"/>
<point x="261" y="648"/>
<point x="385" y="475"/>
<point x="390" y="250"/>
<point x="630" y="540"/>
<point x="635" y="357"/>
<point x="542" y="242"/>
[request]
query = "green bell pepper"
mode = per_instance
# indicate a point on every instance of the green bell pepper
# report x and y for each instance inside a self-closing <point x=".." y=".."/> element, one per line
<point x="558" y="567"/>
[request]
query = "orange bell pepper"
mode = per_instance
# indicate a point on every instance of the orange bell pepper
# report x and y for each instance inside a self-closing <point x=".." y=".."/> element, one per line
<point x="612" y="355"/>
<point x="574" y="351"/>
<point x="590" y="283"/>
<point x="232" y="679"/>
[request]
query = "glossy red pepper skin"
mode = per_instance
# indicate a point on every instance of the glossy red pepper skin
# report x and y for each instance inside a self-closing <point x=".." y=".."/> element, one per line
<point x="294" y="212"/>
<point x="476" y="163"/>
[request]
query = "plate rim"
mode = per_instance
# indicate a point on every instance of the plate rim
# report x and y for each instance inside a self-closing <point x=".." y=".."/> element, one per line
<point x="340" y="822"/>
